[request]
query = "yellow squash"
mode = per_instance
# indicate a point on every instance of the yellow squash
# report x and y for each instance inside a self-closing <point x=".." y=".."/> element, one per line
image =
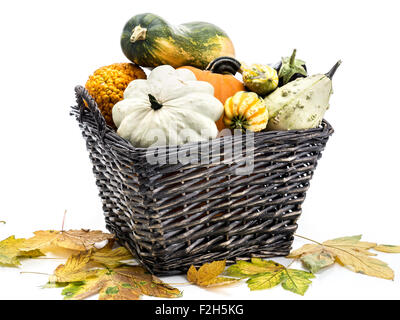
<point x="246" y="111"/>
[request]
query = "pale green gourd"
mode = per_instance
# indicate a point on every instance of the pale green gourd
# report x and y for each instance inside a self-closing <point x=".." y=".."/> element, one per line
<point x="300" y="104"/>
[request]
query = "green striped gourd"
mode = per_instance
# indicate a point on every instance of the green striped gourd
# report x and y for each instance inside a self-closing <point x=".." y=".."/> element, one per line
<point x="150" y="41"/>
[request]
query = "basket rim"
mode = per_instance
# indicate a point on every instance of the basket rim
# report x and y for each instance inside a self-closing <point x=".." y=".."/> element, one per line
<point x="325" y="129"/>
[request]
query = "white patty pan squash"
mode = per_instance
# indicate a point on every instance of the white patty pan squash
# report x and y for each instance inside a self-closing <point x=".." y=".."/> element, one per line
<point x="169" y="108"/>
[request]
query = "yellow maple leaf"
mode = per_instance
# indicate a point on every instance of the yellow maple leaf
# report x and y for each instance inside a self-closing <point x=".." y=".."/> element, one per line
<point x="111" y="258"/>
<point x="79" y="240"/>
<point x="387" y="248"/>
<point x="80" y="266"/>
<point x="75" y="269"/>
<point x="208" y="275"/>
<point x="347" y="251"/>
<point x="10" y="251"/>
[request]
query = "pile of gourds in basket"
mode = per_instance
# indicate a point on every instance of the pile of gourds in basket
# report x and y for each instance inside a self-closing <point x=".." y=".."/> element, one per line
<point x="195" y="88"/>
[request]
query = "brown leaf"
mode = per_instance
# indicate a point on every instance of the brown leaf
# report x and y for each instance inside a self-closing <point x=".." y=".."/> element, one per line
<point x="208" y="275"/>
<point x="114" y="290"/>
<point x="80" y="240"/>
<point x="125" y="283"/>
<point x="146" y="283"/>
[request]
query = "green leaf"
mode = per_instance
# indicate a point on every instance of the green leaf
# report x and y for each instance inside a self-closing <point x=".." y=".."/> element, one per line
<point x="244" y="269"/>
<point x="267" y="274"/>
<point x="265" y="280"/>
<point x="296" y="281"/>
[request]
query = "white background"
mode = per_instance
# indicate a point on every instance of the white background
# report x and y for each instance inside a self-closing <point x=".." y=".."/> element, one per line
<point x="48" y="47"/>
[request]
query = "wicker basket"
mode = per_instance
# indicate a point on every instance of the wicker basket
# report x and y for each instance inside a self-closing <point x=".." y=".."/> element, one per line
<point x="174" y="215"/>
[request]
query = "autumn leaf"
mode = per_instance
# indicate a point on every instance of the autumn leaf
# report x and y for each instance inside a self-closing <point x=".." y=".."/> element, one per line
<point x="347" y="251"/>
<point x="80" y="240"/>
<point x="10" y="251"/>
<point x="146" y="283"/>
<point x="83" y="277"/>
<point x="110" y="286"/>
<point x="266" y="280"/>
<point x="267" y="274"/>
<point x="387" y="248"/>
<point x="296" y="281"/>
<point x="75" y="269"/>
<point x="111" y="258"/>
<point x="124" y="283"/>
<point x="77" y="266"/>
<point x="244" y="269"/>
<point x="208" y="275"/>
<point x="317" y="261"/>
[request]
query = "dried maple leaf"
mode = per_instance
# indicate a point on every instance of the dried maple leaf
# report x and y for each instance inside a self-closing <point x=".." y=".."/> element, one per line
<point x="111" y="258"/>
<point x="75" y="269"/>
<point x="347" y="251"/>
<point x="10" y="251"/>
<point x="83" y="277"/>
<point x="317" y="261"/>
<point x="78" y="266"/>
<point x="268" y="274"/>
<point x="79" y="240"/>
<point x="208" y="275"/>
<point x="124" y="283"/>
<point x="387" y="248"/>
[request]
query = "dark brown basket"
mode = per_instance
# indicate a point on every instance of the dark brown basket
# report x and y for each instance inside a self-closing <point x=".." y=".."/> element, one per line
<point x="174" y="215"/>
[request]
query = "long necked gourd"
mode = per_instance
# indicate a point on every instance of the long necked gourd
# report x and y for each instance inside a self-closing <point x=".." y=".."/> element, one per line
<point x="300" y="104"/>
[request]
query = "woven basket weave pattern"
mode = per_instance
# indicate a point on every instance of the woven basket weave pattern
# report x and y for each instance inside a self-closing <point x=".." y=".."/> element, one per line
<point x="174" y="215"/>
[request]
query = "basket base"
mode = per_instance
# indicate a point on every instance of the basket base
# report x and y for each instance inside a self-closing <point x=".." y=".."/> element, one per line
<point x="277" y="246"/>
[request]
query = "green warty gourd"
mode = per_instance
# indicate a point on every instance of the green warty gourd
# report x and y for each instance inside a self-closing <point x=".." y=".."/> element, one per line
<point x="300" y="104"/>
